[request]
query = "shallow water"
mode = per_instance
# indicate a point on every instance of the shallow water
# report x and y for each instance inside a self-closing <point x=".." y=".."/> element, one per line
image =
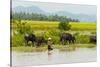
<point x="54" y="57"/>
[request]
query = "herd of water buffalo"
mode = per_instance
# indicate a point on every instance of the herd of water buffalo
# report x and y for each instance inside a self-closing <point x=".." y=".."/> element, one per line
<point x="64" y="37"/>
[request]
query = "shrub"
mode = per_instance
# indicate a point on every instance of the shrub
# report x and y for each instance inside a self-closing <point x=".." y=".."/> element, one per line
<point x="64" y="24"/>
<point x="54" y="34"/>
<point x="82" y="39"/>
<point x="93" y="33"/>
<point x="17" y="40"/>
<point x="23" y="27"/>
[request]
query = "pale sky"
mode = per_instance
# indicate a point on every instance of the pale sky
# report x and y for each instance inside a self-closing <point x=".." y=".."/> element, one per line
<point x="53" y="7"/>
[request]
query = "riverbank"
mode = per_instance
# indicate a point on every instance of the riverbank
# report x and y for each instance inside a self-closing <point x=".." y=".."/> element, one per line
<point x="44" y="48"/>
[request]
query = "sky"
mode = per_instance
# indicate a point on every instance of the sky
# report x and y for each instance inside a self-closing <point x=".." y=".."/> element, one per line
<point x="54" y="7"/>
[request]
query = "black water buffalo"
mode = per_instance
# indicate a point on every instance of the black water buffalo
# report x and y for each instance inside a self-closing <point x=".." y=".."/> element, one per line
<point x="40" y="40"/>
<point x="67" y="37"/>
<point x="36" y="41"/>
<point x="30" y="37"/>
<point x="92" y="39"/>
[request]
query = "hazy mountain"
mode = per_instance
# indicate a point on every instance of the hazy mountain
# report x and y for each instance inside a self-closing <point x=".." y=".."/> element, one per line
<point x="35" y="9"/>
<point x="31" y="9"/>
<point x="81" y="17"/>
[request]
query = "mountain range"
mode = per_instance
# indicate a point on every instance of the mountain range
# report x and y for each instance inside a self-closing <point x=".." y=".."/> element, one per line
<point x="35" y="9"/>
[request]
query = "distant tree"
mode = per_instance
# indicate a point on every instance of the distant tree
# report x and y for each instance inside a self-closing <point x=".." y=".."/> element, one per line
<point x="64" y="24"/>
<point x="39" y="17"/>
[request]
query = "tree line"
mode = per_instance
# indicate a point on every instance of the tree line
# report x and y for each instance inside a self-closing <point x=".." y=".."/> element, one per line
<point x="39" y="17"/>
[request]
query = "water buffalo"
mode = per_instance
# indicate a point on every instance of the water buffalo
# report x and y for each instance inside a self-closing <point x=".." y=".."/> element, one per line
<point x="92" y="39"/>
<point x="67" y="37"/>
<point x="30" y="37"/>
<point x="36" y="41"/>
<point x="40" y="40"/>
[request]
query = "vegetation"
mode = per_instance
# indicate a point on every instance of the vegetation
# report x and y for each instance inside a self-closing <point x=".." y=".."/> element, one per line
<point x="39" y="17"/>
<point x="49" y="26"/>
<point x="53" y="25"/>
<point x="64" y="24"/>
<point x="60" y="47"/>
<point x="49" y="29"/>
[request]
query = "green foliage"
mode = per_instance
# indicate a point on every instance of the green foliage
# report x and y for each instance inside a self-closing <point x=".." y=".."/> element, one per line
<point x="93" y="33"/>
<point x="51" y="25"/>
<point x="18" y="40"/>
<point x="82" y="38"/>
<point x="60" y="47"/>
<point x="38" y="17"/>
<point x="54" y="34"/>
<point x="64" y="24"/>
<point x="49" y="29"/>
<point x="22" y="27"/>
<point x="13" y="21"/>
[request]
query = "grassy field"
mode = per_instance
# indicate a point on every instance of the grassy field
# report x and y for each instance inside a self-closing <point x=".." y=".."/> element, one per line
<point x="49" y="25"/>
<point x="44" y="48"/>
<point x="50" y="29"/>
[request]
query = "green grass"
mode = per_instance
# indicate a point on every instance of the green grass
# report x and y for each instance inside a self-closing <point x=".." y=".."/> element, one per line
<point x="50" y="29"/>
<point x="49" y="25"/>
<point x="44" y="48"/>
<point x="28" y="49"/>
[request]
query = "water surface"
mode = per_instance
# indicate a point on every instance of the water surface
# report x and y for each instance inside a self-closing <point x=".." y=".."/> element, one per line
<point x="54" y="57"/>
